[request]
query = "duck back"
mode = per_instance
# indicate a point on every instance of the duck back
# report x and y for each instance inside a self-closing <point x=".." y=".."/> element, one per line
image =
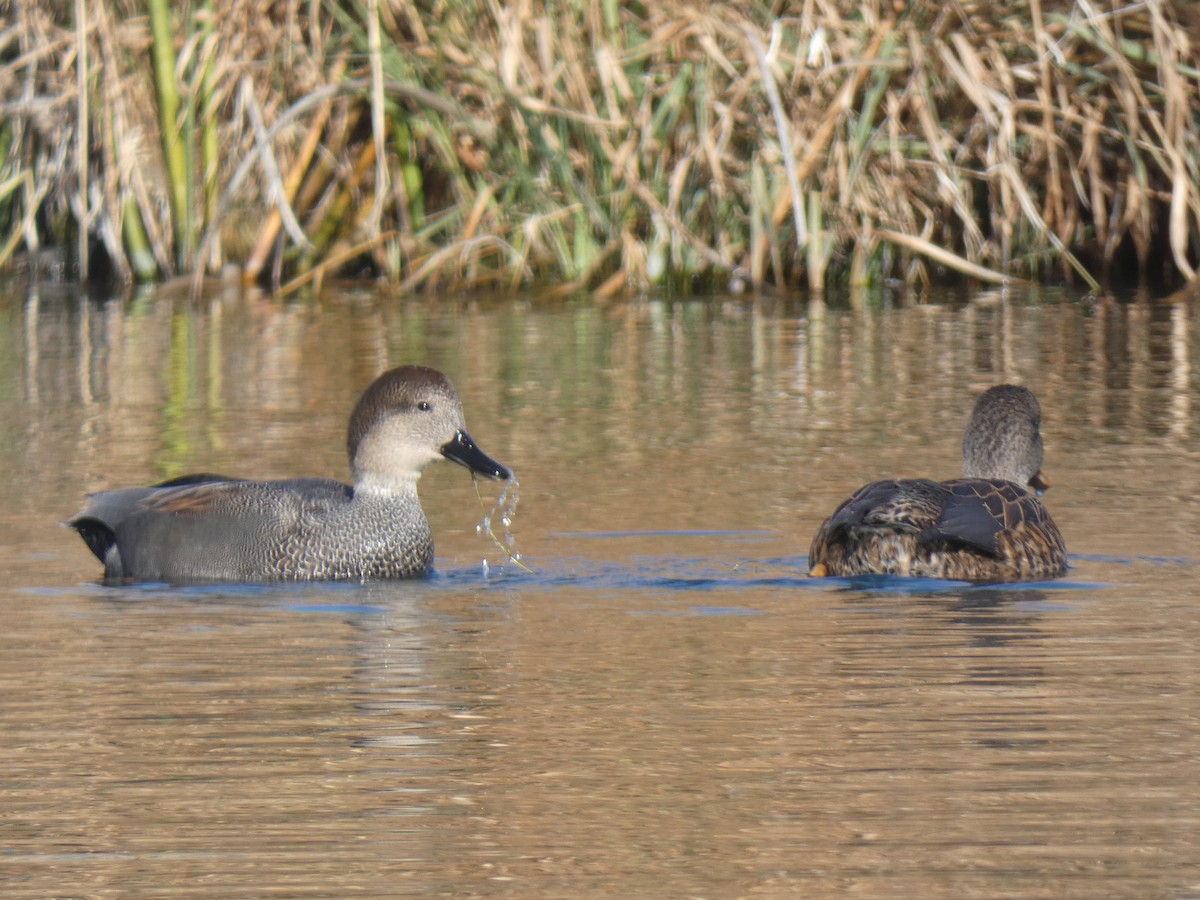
<point x="204" y="528"/>
<point x="968" y="529"/>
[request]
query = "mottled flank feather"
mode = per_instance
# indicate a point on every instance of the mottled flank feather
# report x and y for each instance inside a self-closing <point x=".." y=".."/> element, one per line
<point x="985" y="527"/>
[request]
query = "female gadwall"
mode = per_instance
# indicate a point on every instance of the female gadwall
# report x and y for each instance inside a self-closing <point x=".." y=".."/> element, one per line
<point x="213" y="528"/>
<point x="985" y="526"/>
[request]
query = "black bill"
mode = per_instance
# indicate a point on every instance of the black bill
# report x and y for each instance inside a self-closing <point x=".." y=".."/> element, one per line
<point x="462" y="449"/>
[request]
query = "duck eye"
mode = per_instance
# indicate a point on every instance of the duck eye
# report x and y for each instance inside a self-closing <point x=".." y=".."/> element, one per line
<point x="424" y="406"/>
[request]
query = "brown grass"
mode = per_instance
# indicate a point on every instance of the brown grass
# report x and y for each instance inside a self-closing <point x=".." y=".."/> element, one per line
<point x="674" y="145"/>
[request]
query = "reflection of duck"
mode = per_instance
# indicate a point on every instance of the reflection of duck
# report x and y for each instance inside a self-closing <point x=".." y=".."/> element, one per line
<point x="208" y="527"/>
<point x="985" y="526"/>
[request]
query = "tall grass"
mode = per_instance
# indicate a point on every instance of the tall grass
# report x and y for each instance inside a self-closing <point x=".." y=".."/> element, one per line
<point x="602" y="146"/>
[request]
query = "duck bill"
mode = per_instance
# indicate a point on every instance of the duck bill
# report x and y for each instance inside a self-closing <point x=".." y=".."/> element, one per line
<point x="462" y="450"/>
<point x="1040" y="483"/>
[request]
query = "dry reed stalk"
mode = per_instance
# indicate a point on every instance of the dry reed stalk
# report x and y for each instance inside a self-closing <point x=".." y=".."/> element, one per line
<point x="269" y="231"/>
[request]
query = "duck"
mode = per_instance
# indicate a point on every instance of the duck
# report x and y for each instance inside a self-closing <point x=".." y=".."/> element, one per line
<point x="212" y="528"/>
<point x="989" y="525"/>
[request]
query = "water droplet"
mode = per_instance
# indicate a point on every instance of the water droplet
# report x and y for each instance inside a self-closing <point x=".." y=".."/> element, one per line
<point x="506" y="509"/>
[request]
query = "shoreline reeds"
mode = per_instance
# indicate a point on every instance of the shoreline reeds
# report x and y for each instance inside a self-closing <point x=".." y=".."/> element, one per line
<point x="601" y="146"/>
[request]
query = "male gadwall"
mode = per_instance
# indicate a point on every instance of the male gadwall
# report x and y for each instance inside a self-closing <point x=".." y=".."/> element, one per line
<point x="985" y="526"/>
<point x="213" y="528"/>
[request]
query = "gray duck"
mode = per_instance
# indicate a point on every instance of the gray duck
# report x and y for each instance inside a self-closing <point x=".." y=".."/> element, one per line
<point x="215" y="528"/>
<point x="988" y="525"/>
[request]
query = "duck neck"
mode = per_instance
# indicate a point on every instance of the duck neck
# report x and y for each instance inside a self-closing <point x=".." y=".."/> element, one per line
<point x="385" y="488"/>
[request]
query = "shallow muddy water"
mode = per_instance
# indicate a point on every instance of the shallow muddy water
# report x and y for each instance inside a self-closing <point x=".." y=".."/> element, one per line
<point x="666" y="706"/>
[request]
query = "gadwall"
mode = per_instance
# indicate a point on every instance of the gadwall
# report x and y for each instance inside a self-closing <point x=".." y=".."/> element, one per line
<point x="985" y="526"/>
<point x="213" y="528"/>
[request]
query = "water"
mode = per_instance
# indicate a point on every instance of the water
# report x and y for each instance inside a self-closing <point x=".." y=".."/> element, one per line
<point x="503" y="511"/>
<point x="666" y="705"/>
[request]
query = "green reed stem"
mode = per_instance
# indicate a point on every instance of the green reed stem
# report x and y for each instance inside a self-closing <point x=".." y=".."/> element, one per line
<point x="174" y="149"/>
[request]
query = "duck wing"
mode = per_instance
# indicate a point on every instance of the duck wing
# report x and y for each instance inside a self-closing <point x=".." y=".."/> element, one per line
<point x="978" y="512"/>
<point x="183" y="527"/>
<point x="904" y="504"/>
<point x="213" y="494"/>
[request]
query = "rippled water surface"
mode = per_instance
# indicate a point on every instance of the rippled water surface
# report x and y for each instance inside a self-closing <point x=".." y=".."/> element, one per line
<point x="666" y="705"/>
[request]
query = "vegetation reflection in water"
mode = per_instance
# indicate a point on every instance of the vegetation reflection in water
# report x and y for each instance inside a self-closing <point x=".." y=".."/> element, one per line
<point x="667" y="704"/>
<point x="760" y="413"/>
